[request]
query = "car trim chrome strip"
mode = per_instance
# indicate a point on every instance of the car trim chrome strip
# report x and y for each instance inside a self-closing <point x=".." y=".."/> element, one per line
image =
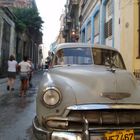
<point x="104" y="106"/>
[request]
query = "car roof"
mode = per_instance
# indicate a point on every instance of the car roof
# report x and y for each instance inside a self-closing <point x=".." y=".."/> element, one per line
<point x="70" y="45"/>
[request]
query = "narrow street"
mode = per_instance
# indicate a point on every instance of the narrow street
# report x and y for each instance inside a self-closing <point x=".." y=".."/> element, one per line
<point x="16" y="112"/>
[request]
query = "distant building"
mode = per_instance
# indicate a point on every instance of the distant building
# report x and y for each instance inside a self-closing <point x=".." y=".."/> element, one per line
<point x="70" y="29"/>
<point x="16" y="3"/>
<point x="23" y="3"/>
<point x="7" y="3"/>
<point x="60" y="38"/>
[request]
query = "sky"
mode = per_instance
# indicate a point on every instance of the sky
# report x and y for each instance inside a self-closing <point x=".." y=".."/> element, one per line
<point x="50" y="11"/>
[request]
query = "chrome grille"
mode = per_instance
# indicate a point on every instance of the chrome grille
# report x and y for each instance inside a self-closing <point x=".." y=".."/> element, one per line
<point x="75" y="119"/>
<point x="106" y="117"/>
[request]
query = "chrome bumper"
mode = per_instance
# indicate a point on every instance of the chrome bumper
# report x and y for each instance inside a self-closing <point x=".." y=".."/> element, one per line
<point x="39" y="132"/>
<point x="43" y="134"/>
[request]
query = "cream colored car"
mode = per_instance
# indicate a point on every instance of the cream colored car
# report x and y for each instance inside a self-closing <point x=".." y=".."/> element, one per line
<point x="87" y="94"/>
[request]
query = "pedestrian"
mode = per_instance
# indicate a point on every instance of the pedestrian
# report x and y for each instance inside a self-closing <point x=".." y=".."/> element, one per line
<point x="24" y="68"/>
<point x="31" y="71"/>
<point x="12" y="67"/>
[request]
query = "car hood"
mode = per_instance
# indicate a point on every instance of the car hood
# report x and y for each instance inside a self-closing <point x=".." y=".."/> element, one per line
<point x="98" y="84"/>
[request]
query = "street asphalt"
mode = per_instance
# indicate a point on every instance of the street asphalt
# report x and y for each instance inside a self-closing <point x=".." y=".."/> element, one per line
<point x="3" y="85"/>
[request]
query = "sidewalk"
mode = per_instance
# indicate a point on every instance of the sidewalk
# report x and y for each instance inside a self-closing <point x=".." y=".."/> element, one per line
<point x="3" y="84"/>
<point x="3" y="80"/>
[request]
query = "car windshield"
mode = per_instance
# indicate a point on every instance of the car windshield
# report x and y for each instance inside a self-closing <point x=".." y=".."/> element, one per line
<point x="88" y="56"/>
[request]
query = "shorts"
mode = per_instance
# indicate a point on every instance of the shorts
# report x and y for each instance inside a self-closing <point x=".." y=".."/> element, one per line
<point x="11" y="74"/>
<point x="24" y="76"/>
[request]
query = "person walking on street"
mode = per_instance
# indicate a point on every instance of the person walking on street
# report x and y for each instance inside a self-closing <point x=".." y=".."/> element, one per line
<point x="24" y="68"/>
<point x="12" y="67"/>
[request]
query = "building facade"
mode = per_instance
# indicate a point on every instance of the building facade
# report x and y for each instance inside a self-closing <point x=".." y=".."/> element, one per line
<point x="7" y="38"/>
<point x="130" y="33"/>
<point x="14" y="42"/>
<point x="97" y="21"/>
<point x="60" y="38"/>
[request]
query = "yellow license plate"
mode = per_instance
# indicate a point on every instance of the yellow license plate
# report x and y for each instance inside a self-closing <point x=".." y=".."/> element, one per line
<point x="120" y="135"/>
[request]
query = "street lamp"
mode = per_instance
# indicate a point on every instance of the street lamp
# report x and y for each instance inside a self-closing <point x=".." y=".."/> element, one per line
<point x="73" y="32"/>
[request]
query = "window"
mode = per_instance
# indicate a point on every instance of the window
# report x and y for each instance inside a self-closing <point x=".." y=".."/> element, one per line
<point x="89" y="31"/>
<point x="96" y="24"/>
<point x="108" y="21"/>
<point x="109" y="10"/>
<point x="83" y="35"/>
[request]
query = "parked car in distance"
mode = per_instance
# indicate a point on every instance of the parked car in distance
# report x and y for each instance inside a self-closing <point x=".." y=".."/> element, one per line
<point x="87" y="94"/>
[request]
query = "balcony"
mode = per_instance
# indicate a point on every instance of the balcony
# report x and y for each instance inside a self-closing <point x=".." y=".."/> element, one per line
<point x="68" y="19"/>
<point x="64" y="34"/>
<point x="74" y="2"/>
<point x="66" y="27"/>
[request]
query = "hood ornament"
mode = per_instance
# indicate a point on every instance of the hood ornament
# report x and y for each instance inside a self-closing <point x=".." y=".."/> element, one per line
<point x="115" y="96"/>
<point x="111" y="69"/>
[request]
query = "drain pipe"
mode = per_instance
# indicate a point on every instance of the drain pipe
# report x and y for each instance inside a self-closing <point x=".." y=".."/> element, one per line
<point x="139" y="28"/>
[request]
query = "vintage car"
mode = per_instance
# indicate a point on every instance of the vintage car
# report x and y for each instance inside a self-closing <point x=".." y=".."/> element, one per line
<point x="87" y="94"/>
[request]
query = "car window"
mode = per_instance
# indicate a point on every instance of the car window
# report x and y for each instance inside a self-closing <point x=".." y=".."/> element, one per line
<point x="108" y="58"/>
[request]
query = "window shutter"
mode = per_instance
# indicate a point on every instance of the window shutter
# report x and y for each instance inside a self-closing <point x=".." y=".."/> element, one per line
<point x="108" y="29"/>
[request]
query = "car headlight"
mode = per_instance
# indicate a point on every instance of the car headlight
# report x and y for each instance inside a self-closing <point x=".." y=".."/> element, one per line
<point x="52" y="97"/>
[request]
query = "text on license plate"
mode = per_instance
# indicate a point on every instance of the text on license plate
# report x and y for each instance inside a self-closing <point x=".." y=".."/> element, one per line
<point x="120" y="135"/>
